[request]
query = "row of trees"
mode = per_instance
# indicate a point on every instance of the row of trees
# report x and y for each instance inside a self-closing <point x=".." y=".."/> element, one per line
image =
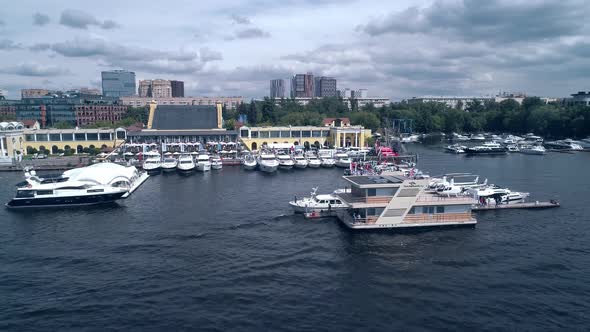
<point x="551" y="120"/>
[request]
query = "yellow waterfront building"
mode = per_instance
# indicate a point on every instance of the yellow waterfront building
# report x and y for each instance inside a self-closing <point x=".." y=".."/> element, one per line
<point x="335" y="133"/>
<point x="54" y="140"/>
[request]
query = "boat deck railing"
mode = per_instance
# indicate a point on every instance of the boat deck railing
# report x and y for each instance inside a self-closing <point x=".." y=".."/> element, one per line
<point x="426" y="197"/>
<point x="442" y="218"/>
<point x="349" y="198"/>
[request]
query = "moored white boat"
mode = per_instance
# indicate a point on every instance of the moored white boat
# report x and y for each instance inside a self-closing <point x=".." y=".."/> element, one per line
<point x="342" y="160"/>
<point x="186" y="163"/>
<point x="249" y="162"/>
<point x="532" y="149"/>
<point x="216" y="162"/>
<point x="313" y="161"/>
<point x="267" y="162"/>
<point x="203" y="162"/>
<point x="455" y="148"/>
<point x="300" y="161"/>
<point x="285" y="161"/>
<point x="152" y="165"/>
<point x="169" y="164"/>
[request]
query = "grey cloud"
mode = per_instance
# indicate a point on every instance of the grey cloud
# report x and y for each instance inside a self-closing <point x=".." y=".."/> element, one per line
<point x="40" y="47"/>
<point x="90" y="47"/>
<point x="34" y="69"/>
<point x="331" y="54"/>
<point x="109" y="24"/>
<point x="238" y="19"/>
<point x="207" y="55"/>
<point x="495" y="20"/>
<point x="134" y="58"/>
<point x="40" y="19"/>
<point x="2" y="22"/>
<point x="250" y="33"/>
<point x="9" y="45"/>
<point x="81" y="20"/>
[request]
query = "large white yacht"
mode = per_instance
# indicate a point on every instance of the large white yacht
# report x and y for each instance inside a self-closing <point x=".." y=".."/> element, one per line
<point x="267" y="162"/>
<point x="325" y="156"/>
<point x="300" y="161"/>
<point x="216" y="162"/>
<point x="95" y="184"/>
<point x="313" y="161"/>
<point x="186" y="163"/>
<point x="169" y="164"/>
<point x="249" y="162"/>
<point x="152" y="165"/>
<point x="317" y="203"/>
<point x="203" y="162"/>
<point x="285" y="161"/>
<point x="342" y="160"/>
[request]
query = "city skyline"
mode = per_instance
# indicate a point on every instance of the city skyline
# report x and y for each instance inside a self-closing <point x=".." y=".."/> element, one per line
<point x="395" y="50"/>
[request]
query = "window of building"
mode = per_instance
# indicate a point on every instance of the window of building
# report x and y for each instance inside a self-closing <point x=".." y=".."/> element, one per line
<point x="285" y="133"/>
<point x="92" y="136"/>
<point x="42" y="137"/>
<point x="296" y="133"/>
<point x="30" y="138"/>
<point x="275" y="133"/>
<point x="80" y="137"/>
<point x="120" y="134"/>
<point x="67" y="137"/>
<point x="306" y="133"/>
<point x="54" y="137"/>
<point x="316" y="133"/>
<point x="254" y="134"/>
<point x="244" y="133"/>
<point x="105" y="136"/>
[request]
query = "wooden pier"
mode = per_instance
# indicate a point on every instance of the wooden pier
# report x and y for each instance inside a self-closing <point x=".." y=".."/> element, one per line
<point x="528" y="205"/>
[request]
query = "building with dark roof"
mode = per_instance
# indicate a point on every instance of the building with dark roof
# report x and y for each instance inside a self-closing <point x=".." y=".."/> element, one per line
<point x="183" y="124"/>
<point x="176" y="117"/>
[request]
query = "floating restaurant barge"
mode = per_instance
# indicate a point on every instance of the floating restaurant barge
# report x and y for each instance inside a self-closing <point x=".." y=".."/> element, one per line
<point x="394" y="201"/>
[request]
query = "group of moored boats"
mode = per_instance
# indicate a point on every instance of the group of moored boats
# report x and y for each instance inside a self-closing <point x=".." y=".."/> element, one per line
<point x="270" y="161"/>
<point x="184" y="163"/>
<point x="464" y="184"/>
<point x="527" y="144"/>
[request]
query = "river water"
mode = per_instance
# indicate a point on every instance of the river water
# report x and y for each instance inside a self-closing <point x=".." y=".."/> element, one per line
<point x="222" y="251"/>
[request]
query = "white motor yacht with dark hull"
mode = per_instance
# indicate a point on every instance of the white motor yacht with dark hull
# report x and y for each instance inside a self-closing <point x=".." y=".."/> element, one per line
<point x="96" y="184"/>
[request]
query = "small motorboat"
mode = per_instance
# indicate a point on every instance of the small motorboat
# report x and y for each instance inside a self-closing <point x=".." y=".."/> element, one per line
<point x="152" y="165"/>
<point x="532" y="149"/>
<point x="285" y="161"/>
<point x="317" y="203"/>
<point x="249" y="162"/>
<point x="216" y="162"/>
<point x="455" y="148"/>
<point x="313" y="161"/>
<point x="300" y="161"/>
<point x="203" y="162"/>
<point x="185" y="163"/>
<point x="169" y="164"/>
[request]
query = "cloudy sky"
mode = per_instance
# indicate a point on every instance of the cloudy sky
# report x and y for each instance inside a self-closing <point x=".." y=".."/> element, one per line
<point x="396" y="49"/>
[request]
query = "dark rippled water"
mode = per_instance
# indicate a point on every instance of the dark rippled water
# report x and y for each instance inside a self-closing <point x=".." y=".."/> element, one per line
<point x="221" y="251"/>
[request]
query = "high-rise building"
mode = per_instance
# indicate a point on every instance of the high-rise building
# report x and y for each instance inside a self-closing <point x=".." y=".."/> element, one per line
<point x="177" y="88"/>
<point x="145" y="88"/>
<point x="277" y="88"/>
<point x="155" y="88"/>
<point x="325" y="87"/>
<point x="118" y="83"/>
<point x="302" y="86"/>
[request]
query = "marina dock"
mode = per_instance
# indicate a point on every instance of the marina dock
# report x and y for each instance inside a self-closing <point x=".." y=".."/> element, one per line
<point x="528" y="205"/>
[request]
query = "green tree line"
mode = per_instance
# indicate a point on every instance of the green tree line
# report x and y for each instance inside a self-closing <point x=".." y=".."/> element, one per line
<point x="508" y="116"/>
